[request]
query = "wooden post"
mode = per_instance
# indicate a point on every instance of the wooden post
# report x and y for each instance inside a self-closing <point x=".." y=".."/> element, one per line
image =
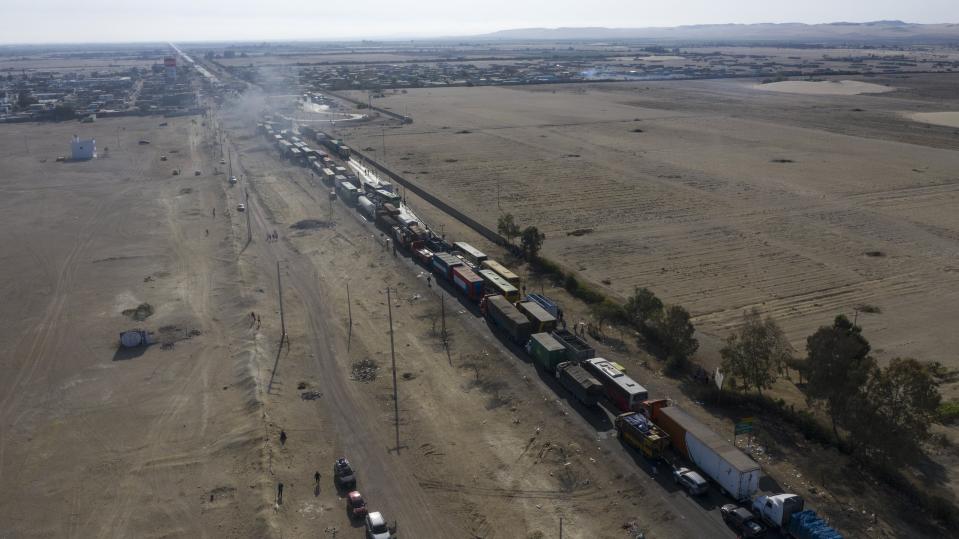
<point x="279" y="284"/>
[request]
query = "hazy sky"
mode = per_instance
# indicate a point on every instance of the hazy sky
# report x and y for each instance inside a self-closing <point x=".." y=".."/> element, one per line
<point x="44" y="21"/>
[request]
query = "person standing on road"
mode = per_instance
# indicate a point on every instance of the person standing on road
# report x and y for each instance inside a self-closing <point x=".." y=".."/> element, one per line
<point x="279" y="494"/>
<point x="214" y="212"/>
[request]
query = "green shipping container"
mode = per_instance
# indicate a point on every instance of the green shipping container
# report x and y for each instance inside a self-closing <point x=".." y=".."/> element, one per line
<point x="546" y="350"/>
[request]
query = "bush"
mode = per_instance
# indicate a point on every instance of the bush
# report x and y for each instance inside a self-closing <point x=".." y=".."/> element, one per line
<point x="948" y="412"/>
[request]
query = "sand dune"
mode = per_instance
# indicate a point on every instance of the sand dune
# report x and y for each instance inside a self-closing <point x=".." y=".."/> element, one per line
<point x="826" y="87"/>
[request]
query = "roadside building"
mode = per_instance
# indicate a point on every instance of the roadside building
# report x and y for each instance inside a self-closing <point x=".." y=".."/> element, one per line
<point x="83" y="149"/>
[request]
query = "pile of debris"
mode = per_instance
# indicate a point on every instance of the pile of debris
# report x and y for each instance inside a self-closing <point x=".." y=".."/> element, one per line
<point x="364" y="371"/>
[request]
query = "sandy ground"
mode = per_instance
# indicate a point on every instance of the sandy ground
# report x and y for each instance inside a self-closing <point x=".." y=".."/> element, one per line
<point x="717" y="198"/>
<point x="948" y="119"/>
<point x="824" y="87"/>
<point x="95" y="442"/>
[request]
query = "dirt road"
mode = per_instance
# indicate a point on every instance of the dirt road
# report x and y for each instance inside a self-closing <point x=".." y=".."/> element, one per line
<point x="486" y="449"/>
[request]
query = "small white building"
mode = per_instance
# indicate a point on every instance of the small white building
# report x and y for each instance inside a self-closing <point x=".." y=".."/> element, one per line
<point x="81" y="150"/>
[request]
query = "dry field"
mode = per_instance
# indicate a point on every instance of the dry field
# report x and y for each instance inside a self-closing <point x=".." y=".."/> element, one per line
<point x="18" y="64"/>
<point x="99" y="442"/>
<point x="717" y="196"/>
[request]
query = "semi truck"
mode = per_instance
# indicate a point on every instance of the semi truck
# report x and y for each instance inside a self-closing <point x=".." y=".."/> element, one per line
<point x="736" y="473"/>
<point x="578" y="348"/>
<point x="468" y="282"/>
<point x="546" y="351"/>
<point x="787" y="513"/>
<point x="639" y="432"/>
<point x="501" y="312"/>
<point x="580" y="383"/>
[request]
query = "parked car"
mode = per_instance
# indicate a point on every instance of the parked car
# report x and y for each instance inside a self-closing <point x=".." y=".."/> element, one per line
<point x="376" y="527"/>
<point x="691" y="481"/>
<point x="355" y="505"/>
<point x="343" y="474"/>
<point x="742" y="520"/>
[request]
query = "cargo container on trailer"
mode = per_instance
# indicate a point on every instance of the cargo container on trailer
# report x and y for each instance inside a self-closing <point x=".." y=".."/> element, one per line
<point x="443" y="264"/>
<point x="542" y="321"/>
<point x="546" y="350"/>
<point x="546" y="303"/>
<point x="348" y="192"/>
<point x="468" y="282"/>
<point x="580" y="383"/>
<point x="502" y="313"/>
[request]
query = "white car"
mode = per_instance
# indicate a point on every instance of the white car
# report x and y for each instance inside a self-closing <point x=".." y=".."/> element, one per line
<point x="232" y="179"/>
<point x="241" y="207"/>
<point x="376" y="527"/>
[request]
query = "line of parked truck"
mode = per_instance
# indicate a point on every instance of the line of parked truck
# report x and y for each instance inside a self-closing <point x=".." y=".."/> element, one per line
<point x="535" y="323"/>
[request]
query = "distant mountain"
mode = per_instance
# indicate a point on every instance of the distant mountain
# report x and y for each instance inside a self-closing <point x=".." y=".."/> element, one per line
<point x="885" y="31"/>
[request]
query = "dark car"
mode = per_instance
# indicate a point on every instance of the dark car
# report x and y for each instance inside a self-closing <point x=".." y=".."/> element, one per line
<point x="742" y="520"/>
<point x="355" y="505"/>
<point x="343" y="474"/>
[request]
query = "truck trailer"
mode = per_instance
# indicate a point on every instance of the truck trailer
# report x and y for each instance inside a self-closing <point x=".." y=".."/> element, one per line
<point x="546" y="351"/>
<point x="443" y="264"/>
<point x="639" y="432"/>
<point x="542" y="321"/>
<point x="501" y="312"/>
<point x="580" y="383"/>
<point x="578" y="348"/>
<point x="468" y="282"/>
<point x="736" y="473"/>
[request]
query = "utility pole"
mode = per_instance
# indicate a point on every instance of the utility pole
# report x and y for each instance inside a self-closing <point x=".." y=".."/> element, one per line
<point x="396" y="400"/>
<point x="249" y="224"/>
<point x="279" y="285"/>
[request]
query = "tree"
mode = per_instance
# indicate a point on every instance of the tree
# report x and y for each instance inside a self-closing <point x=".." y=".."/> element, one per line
<point x="532" y="240"/>
<point x="606" y="311"/>
<point x="837" y="368"/>
<point x="757" y="352"/>
<point x="642" y="307"/>
<point x="902" y="398"/>
<point x="64" y="112"/>
<point x="24" y="100"/>
<point x="676" y="332"/>
<point x="507" y="227"/>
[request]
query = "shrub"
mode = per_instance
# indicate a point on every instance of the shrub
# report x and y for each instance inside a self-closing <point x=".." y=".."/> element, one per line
<point x="948" y="412"/>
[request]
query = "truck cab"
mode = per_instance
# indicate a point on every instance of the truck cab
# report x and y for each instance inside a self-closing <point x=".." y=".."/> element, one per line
<point x="778" y="509"/>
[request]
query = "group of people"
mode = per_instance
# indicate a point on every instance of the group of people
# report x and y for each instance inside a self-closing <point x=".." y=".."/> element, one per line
<point x="254" y="319"/>
<point x="273" y="236"/>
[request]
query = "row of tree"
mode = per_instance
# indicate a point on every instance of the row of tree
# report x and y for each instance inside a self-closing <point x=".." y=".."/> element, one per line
<point x="885" y="411"/>
<point x="531" y="239"/>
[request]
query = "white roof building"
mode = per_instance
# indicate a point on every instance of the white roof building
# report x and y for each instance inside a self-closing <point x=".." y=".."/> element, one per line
<point x="83" y="149"/>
